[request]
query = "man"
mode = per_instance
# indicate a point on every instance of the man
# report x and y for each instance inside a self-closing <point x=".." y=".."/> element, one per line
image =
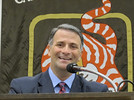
<point x="64" y="47"/>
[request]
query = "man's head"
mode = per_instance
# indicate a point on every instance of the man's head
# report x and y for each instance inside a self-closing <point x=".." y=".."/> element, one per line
<point x="65" y="46"/>
<point x="66" y="27"/>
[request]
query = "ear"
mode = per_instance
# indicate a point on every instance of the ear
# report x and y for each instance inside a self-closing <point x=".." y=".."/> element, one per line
<point x="49" y="47"/>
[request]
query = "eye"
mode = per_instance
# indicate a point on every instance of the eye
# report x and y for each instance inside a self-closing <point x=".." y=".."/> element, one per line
<point x="59" y="44"/>
<point x="74" y="46"/>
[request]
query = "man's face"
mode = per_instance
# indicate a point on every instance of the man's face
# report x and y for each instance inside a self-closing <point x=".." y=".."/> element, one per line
<point x="65" y="49"/>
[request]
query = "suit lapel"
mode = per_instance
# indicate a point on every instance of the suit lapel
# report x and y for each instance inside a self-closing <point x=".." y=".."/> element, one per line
<point x="45" y="84"/>
<point x="77" y="85"/>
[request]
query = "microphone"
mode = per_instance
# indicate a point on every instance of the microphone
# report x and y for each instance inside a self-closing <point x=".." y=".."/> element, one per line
<point x="73" y="68"/>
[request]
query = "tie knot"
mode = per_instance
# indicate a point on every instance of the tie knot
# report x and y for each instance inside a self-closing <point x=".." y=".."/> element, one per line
<point x="62" y="87"/>
<point x="62" y="84"/>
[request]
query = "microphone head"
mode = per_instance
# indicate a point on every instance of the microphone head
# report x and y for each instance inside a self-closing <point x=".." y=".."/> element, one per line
<point x="70" y="67"/>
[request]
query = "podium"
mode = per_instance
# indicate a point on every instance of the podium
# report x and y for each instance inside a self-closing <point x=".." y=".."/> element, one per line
<point x="71" y="96"/>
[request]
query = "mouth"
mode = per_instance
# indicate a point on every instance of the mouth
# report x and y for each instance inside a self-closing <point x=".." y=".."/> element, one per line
<point x="65" y="58"/>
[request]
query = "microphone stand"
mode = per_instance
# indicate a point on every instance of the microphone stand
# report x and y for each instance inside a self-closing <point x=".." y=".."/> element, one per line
<point x="126" y="81"/>
<point x="103" y="76"/>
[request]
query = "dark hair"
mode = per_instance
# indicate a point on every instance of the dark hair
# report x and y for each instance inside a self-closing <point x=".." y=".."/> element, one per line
<point x="66" y="27"/>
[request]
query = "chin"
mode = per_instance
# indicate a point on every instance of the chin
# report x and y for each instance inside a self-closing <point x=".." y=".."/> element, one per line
<point x="63" y="66"/>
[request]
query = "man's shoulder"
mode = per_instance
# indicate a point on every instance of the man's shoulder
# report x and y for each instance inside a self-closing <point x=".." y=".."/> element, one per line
<point x="24" y="84"/>
<point x="92" y="86"/>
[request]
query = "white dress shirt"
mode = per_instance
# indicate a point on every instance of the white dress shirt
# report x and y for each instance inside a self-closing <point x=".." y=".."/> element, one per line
<point x="56" y="81"/>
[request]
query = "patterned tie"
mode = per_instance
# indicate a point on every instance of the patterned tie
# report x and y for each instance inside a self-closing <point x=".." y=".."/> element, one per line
<point x="62" y="87"/>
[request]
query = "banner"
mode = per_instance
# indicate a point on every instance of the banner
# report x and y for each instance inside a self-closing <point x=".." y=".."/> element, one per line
<point x="26" y="25"/>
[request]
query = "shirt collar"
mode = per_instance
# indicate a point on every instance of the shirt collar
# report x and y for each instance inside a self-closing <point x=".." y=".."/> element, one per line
<point x="56" y="80"/>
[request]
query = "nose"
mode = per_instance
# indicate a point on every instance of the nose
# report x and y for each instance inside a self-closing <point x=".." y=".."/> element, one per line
<point x="66" y="50"/>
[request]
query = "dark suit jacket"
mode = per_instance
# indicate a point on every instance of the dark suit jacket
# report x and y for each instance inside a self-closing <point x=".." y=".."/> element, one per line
<point x="41" y="83"/>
